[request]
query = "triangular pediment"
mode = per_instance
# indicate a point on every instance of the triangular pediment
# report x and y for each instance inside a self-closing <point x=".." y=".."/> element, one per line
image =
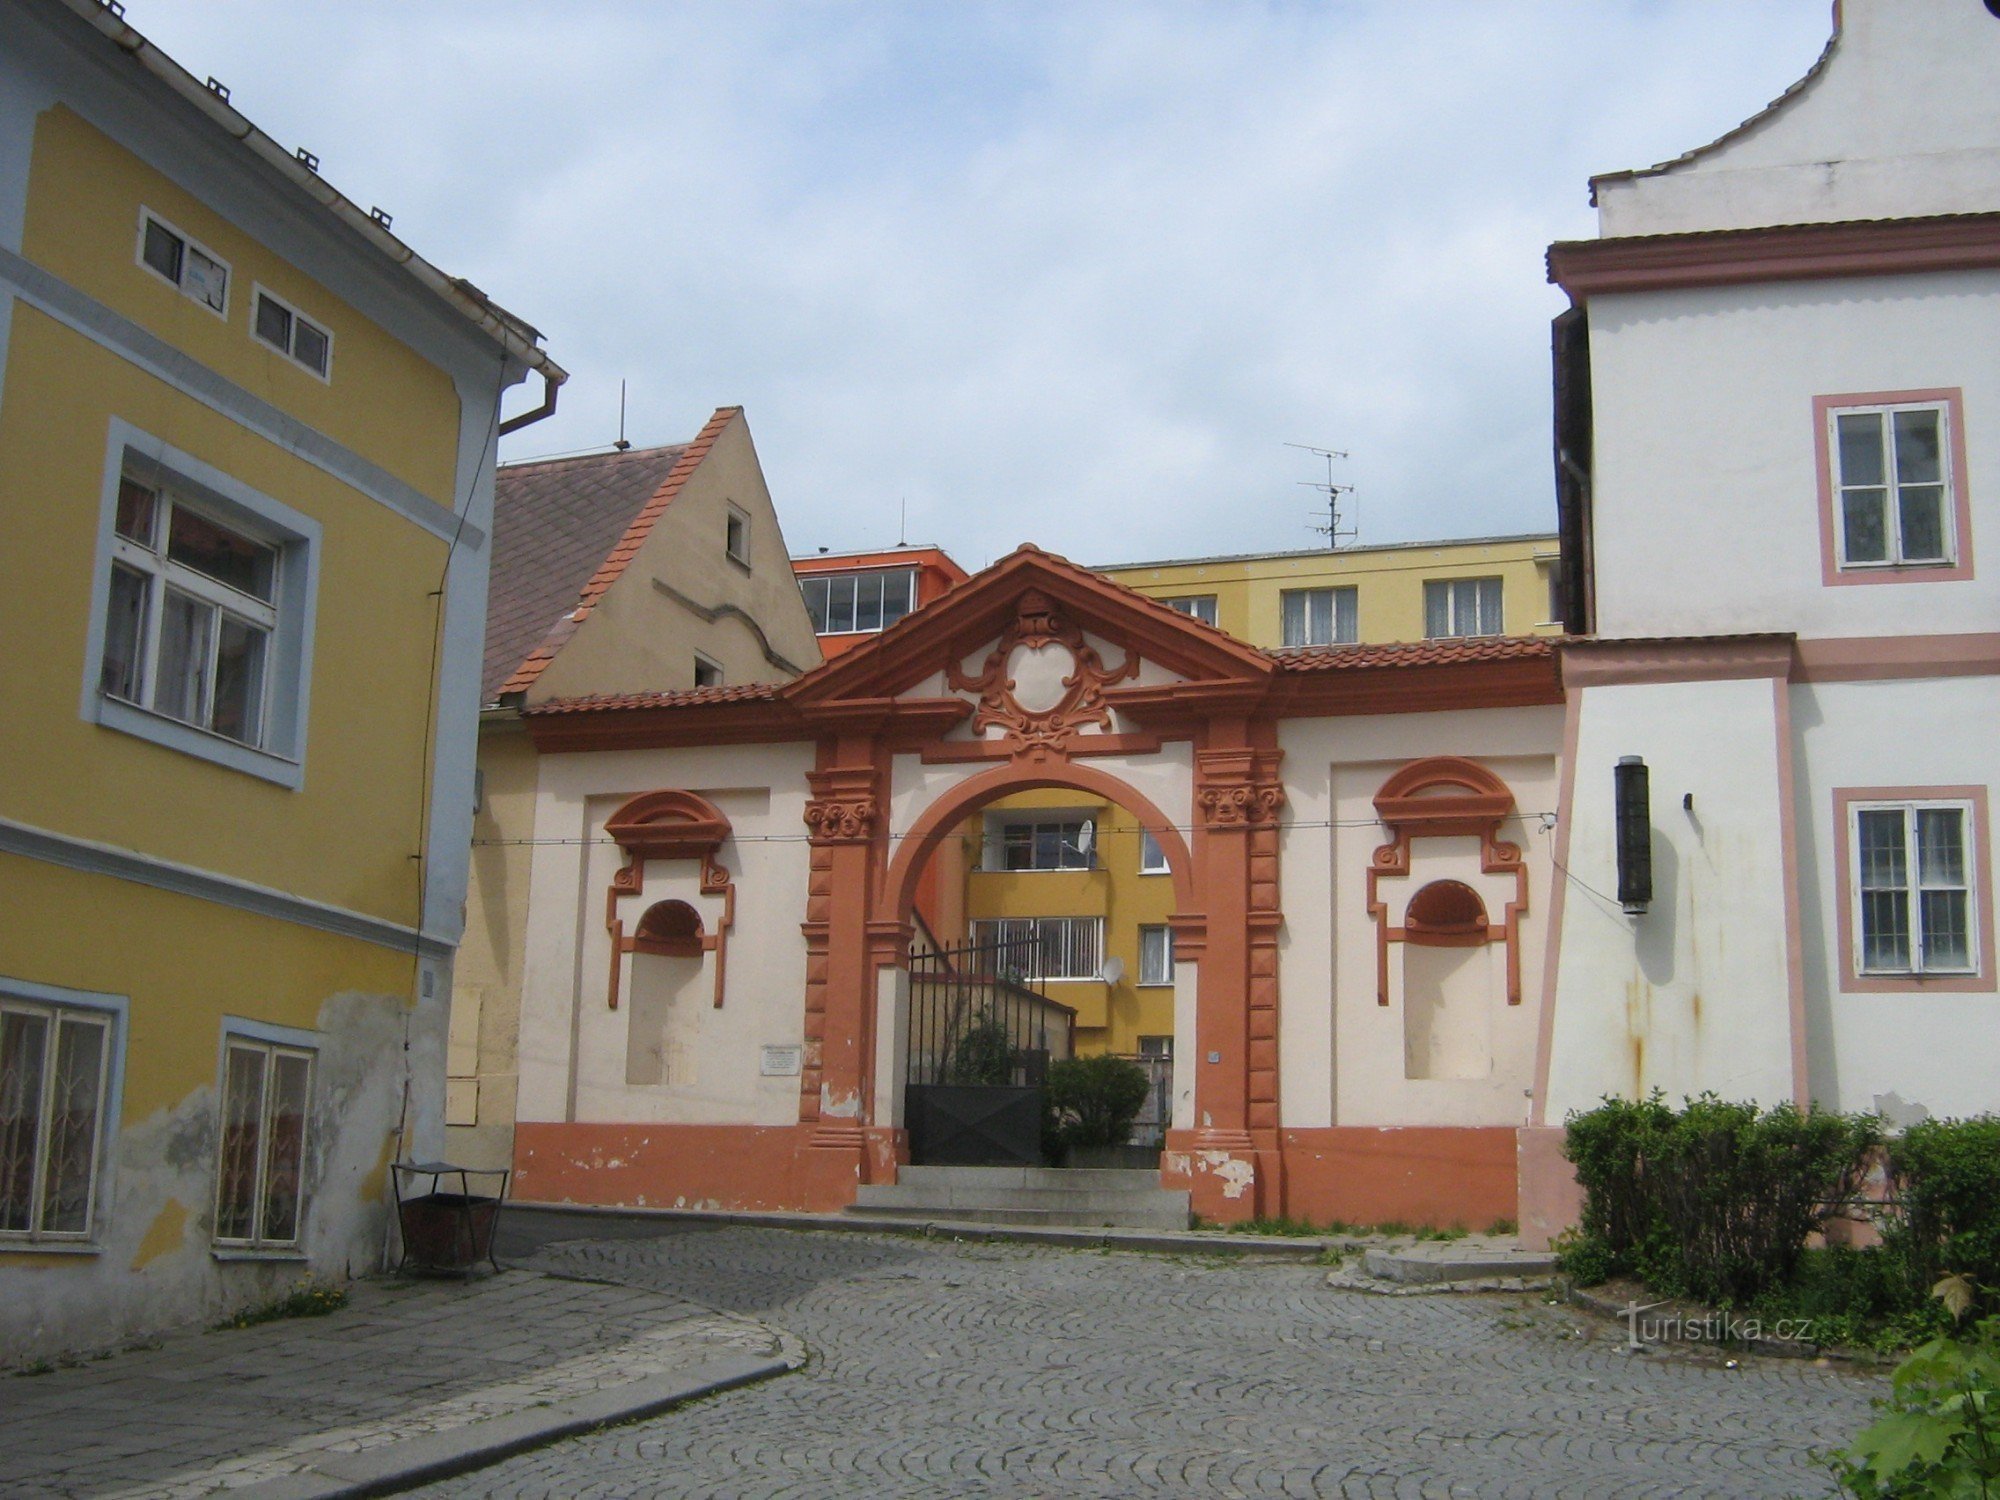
<point x="1034" y="614"/>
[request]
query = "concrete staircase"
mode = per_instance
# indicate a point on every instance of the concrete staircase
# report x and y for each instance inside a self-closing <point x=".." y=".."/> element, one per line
<point x="1072" y="1197"/>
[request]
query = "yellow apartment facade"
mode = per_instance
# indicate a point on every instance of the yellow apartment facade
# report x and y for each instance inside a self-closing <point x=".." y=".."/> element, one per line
<point x="246" y="443"/>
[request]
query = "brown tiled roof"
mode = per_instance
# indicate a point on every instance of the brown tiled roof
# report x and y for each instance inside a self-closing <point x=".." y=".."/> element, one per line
<point x="563" y="531"/>
<point x="1438" y="653"/>
<point x="739" y="692"/>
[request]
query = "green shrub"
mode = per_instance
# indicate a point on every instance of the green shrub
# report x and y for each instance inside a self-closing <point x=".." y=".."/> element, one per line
<point x="1092" y="1101"/>
<point x="1939" y="1432"/>
<point x="984" y="1055"/>
<point x="1607" y="1146"/>
<point x="1947" y="1180"/>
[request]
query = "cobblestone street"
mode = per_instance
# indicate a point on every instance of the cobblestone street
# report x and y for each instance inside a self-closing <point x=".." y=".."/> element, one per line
<point x="943" y="1368"/>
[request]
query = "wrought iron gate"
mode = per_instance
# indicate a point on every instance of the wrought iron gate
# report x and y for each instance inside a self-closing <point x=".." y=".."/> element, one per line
<point x="981" y="1038"/>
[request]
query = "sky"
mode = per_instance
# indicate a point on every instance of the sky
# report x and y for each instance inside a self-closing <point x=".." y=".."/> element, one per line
<point x="987" y="273"/>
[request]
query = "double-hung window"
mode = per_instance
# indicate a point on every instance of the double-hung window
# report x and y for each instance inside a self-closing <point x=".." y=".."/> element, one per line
<point x="1152" y="858"/>
<point x="1195" y="606"/>
<point x="1045" y="947"/>
<point x="266" y="1097"/>
<point x="1913" y="888"/>
<point x="55" y="1067"/>
<point x="202" y="627"/>
<point x="1461" y="606"/>
<point x="1156" y="955"/>
<point x="1318" y="617"/>
<point x="1893" y="486"/>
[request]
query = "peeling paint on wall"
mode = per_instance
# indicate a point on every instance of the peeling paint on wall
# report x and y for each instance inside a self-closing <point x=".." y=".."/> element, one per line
<point x="1236" y="1175"/>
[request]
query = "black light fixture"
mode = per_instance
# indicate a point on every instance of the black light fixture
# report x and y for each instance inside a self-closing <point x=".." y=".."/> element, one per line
<point x="1634" y="816"/>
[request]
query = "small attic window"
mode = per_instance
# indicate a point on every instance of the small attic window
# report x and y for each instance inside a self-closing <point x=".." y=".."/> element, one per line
<point x="736" y="540"/>
<point x="707" y="673"/>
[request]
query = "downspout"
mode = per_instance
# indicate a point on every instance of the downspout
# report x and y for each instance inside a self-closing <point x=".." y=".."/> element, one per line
<point x="552" y="384"/>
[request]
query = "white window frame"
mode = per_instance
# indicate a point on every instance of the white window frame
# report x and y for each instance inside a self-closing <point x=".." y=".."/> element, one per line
<point x="1195" y="606"/>
<point x="188" y="242"/>
<point x="1152" y="858"/>
<point x="702" y="663"/>
<point x="1948" y="482"/>
<point x="280" y="755"/>
<point x="1000" y="825"/>
<point x="1456" y="591"/>
<point x="1320" y="616"/>
<point x="1913" y="888"/>
<point x="1156" y="954"/>
<point x="1081" y="943"/>
<point x="736" y="535"/>
<point x="72" y="1007"/>
<point x="271" y="1043"/>
<point x="853" y="585"/>
<point x="260" y="293"/>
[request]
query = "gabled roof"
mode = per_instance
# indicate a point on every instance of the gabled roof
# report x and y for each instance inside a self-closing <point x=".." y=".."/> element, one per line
<point x="563" y="531"/>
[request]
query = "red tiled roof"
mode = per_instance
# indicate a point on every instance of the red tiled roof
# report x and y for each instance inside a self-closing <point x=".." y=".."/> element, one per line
<point x="740" y="692"/>
<point x="1438" y="653"/>
<point x="563" y="531"/>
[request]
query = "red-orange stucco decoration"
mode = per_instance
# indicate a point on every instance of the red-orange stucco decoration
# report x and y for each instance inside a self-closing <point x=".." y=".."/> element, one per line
<point x="1038" y="622"/>
<point x="1446" y="797"/>
<point x="669" y="825"/>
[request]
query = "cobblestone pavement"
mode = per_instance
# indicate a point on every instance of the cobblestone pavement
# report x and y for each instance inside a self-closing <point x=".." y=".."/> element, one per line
<point x="200" y="1412"/>
<point x="954" y="1369"/>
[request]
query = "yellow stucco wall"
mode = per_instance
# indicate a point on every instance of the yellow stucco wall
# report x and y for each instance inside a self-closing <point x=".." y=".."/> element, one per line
<point x="1110" y="1017"/>
<point x="1389" y="583"/>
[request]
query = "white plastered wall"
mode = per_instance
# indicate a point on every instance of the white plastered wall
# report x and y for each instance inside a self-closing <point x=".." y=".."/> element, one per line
<point x="574" y="1047"/>
<point x="1693" y="994"/>
<point x="1938" y="1050"/>
<point x="1341" y="1054"/>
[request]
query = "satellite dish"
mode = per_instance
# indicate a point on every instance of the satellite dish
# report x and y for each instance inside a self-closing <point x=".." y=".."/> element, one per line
<point x="1086" y="836"/>
<point x="1113" y="970"/>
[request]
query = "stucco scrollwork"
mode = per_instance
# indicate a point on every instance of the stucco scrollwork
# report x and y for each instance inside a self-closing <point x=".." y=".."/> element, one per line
<point x="841" y="819"/>
<point x="1039" y="624"/>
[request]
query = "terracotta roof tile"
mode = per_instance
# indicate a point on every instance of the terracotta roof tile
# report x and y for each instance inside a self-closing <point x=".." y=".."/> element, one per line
<point x="1438" y="653"/>
<point x="742" y="692"/>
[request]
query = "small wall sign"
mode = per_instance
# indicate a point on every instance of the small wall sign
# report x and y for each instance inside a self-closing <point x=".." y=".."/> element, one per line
<point x="780" y="1062"/>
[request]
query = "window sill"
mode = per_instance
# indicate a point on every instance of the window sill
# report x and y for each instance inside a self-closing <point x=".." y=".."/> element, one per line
<point x="288" y="1255"/>
<point x="1154" y="984"/>
<point x="741" y="562"/>
<point x="143" y="723"/>
<point x="49" y="1247"/>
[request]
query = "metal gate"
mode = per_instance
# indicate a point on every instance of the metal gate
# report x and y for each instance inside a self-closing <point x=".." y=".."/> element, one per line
<point x="981" y="1038"/>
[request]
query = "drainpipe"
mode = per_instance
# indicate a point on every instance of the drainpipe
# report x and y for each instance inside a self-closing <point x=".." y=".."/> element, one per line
<point x="552" y="382"/>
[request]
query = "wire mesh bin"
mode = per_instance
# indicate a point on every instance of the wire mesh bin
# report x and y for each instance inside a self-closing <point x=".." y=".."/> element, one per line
<point x="442" y="1230"/>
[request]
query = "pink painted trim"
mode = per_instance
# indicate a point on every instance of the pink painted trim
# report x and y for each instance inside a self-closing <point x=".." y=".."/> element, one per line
<point x="1795" y="941"/>
<point x="1979" y="857"/>
<point x="1877" y="658"/>
<point x="1597" y="663"/>
<point x="1545" y="1031"/>
<point x="1952" y="398"/>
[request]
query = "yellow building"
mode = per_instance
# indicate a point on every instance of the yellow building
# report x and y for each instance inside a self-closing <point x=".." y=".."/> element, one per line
<point x="1069" y="875"/>
<point x="246" y="443"/>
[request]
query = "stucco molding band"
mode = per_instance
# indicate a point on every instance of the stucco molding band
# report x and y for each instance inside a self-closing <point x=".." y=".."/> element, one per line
<point x="94" y="858"/>
<point x="121" y="336"/>
<point x="1602" y="663"/>
<point x="1793" y="252"/>
<point x="1886" y="658"/>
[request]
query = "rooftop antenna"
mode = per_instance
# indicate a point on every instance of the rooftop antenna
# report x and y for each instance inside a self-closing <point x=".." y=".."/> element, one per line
<point x="621" y="445"/>
<point x="903" y="523"/>
<point x="1333" y="531"/>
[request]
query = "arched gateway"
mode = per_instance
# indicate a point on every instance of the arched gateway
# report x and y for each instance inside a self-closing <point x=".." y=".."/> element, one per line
<point x="799" y="820"/>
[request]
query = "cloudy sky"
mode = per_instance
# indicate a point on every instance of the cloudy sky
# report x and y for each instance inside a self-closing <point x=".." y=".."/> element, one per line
<point x="1070" y="273"/>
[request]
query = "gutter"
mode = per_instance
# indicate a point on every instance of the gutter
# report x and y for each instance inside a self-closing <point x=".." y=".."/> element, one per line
<point x="517" y="337"/>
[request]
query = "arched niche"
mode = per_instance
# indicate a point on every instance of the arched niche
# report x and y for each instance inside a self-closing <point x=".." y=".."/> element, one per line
<point x="669" y="825"/>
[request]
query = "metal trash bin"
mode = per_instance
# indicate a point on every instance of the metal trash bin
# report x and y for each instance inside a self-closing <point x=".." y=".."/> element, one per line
<point x="445" y="1231"/>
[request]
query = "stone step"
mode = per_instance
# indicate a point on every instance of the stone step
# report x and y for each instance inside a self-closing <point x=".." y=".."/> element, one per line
<point x="1479" y="1258"/>
<point x="949" y="1196"/>
<point x="1081" y="1197"/>
<point x="1130" y="1215"/>
<point x="1104" y="1178"/>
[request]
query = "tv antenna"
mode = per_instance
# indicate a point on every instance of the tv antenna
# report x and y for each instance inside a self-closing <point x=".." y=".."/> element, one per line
<point x="1332" y="530"/>
<point x="621" y="445"/>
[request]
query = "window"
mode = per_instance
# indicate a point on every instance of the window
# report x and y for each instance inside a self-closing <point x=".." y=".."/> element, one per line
<point x="55" y="1065"/>
<point x="1156" y="955"/>
<point x="293" y="334"/>
<point x="1045" y="947"/>
<point x="736" y="537"/>
<point x="1461" y="606"/>
<point x="1913" y="896"/>
<point x="706" y="673"/>
<point x="1892" y="483"/>
<point x="202" y="621"/>
<point x="259" y="1191"/>
<point x="1318" y="617"/>
<point x="1197" y="606"/>
<point x="1053" y="843"/>
<point x="853" y="603"/>
<point x="182" y="263"/>
<point x="1152" y="858"/>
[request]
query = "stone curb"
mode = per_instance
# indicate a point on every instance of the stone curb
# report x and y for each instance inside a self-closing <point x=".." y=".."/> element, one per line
<point x="1344" y="1280"/>
<point x="1284" y="1247"/>
<point x="1604" y="1307"/>
<point x="405" y="1465"/>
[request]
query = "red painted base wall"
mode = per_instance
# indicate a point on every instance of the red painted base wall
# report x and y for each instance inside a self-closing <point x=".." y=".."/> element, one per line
<point x="1438" y="1176"/>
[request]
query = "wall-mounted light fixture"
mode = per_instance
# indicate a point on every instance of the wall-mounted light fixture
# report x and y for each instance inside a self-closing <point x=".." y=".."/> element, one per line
<point x="1634" y="816"/>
